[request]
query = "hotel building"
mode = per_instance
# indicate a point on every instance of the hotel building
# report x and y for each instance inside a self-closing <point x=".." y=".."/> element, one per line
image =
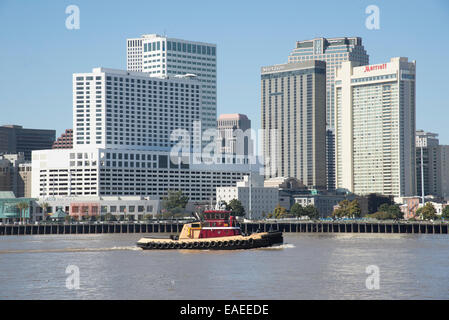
<point x="375" y="128"/>
<point x="161" y="57"/>
<point x="334" y="51"/>
<point x="293" y="107"/>
<point x="122" y="127"/>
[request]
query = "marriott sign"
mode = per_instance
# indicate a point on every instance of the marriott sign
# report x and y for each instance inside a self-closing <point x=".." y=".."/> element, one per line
<point x="376" y="67"/>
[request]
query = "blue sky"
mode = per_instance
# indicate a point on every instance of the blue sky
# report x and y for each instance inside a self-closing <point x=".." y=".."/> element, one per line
<point x="38" y="54"/>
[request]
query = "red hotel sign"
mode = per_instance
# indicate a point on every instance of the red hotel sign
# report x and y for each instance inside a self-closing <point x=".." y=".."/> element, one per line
<point x="376" y="67"/>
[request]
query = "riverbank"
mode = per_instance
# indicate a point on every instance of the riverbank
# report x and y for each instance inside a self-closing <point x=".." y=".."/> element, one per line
<point x="247" y="227"/>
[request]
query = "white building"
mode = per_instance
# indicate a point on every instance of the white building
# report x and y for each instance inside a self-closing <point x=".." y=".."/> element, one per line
<point x="162" y="56"/>
<point x="124" y="109"/>
<point x="375" y="128"/>
<point x="263" y="200"/>
<point x="123" y="122"/>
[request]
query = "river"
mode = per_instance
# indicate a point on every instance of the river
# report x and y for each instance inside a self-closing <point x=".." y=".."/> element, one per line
<point x="307" y="266"/>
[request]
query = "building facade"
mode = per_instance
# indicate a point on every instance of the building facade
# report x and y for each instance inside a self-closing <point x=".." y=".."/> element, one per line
<point x="428" y="164"/>
<point x="444" y="152"/>
<point x="161" y="56"/>
<point x="233" y="135"/>
<point x="293" y="107"/>
<point x="65" y="141"/>
<point x="132" y="109"/>
<point x="15" y="175"/>
<point x="263" y="199"/>
<point x="333" y="51"/>
<point x="127" y="126"/>
<point x="134" y="207"/>
<point x="16" y="139"/>
<point x="375" y="128"/>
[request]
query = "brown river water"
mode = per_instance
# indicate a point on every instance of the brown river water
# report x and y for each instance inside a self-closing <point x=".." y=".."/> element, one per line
<point x="307" y="266"/>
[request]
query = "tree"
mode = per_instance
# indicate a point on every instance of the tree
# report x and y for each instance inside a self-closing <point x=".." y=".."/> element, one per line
<point x="280" y="212"/>
<point x="388" y="212"/>
<point x="297" y="210"/>
<point x="427" y="212"/>
<point x="174" y="204"/>
<point x="311" y="212"/>
<point x="348" y="208"/>
<point x="22" y="206"/>
<point x="236" y="207"/>
<point x="44" y="206"/>
<point x="445" y="213"/>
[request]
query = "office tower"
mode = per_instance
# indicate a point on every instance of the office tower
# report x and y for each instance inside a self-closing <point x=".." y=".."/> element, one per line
<point x="430" y="166"/>
<point x="293" y="103"/>
<point x="444" y="151"/>
<point x="123" y="125"/>
<point x="16" y="139"/>
<point x="375" y="128"/>
<point x="15" y="174"/>
<point x="234" y="137"/>
<point x="65" y="141"/>
<point x="162" y="56"/>
<point x="333" y="51"/>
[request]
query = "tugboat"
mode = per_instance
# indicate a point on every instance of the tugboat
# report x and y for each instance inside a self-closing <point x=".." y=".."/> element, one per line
<point x="217" y="231"/>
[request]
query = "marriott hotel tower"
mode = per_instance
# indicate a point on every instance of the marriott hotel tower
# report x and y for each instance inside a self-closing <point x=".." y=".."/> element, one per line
<point x="375" y="127"/>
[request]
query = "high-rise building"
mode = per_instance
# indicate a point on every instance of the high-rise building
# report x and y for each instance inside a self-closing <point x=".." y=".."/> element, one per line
<point x="430" y="166"/>
<point x="16" y="139"/>
<point x="126" y="127"/>
<point x="124" y="109"/>
<point x="15" y="174"/>
<point x="333" y="51"/>
<point x="231" y="140"/>
<point x="162" y="56"/>
<point x="65" y="141"/>
<point x="293" y="107"/>
<point x="375" y="125"/>
<point x="444" y="151"/>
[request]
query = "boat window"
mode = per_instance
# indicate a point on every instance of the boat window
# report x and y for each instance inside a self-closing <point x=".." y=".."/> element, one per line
<point x="195" y="225"/>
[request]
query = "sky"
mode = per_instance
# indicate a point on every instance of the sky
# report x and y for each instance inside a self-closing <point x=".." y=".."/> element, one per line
<point x="38" y="54"/>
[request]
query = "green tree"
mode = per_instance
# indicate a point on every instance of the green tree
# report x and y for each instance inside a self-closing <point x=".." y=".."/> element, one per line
<point x="174" y="204"/>
<point x="445" y="213"/>
<point x="311" y="212"/>
<point x="297" y="210"/>
<point x="354" y="209"/>
<point x="387" y="212"/>
<point x="236" y="207"/>
<point x="427" y="212"/>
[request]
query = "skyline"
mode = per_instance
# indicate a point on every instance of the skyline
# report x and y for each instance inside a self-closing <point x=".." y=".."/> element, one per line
<point x="48" y="53"/>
